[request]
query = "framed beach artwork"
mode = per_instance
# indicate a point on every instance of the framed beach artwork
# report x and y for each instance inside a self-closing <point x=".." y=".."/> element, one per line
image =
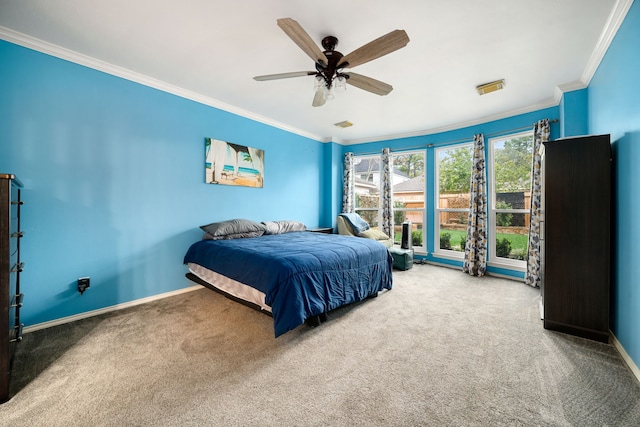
<point x="233" y="164"/>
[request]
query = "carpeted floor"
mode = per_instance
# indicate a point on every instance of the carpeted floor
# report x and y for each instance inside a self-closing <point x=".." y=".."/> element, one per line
<point x="441" y="348"/>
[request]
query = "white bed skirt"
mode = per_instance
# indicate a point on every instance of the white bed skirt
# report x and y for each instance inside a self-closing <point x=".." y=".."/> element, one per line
<point x="230" y="286"/>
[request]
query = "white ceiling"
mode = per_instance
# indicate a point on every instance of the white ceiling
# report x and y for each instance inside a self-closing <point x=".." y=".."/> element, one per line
<point x="209" y="50"/>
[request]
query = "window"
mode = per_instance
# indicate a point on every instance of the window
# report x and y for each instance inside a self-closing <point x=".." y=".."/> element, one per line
<point x="510" y="198"/>
<point x="366" y="188"/>
<point x="408" y="196"/>
<point x="453" y="175"/>
<point x="408" y="177"/>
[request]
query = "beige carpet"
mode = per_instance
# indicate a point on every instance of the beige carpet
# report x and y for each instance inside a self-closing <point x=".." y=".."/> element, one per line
<point x="441" y="348"/>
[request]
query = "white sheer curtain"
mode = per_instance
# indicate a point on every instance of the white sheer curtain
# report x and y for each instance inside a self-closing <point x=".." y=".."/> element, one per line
<point x="219" y="155"/>
<point x="257" y="159"/>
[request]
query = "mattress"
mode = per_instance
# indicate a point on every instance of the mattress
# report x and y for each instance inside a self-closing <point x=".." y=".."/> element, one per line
<point x="230" y="286"/>
<point x="301" y="274"/>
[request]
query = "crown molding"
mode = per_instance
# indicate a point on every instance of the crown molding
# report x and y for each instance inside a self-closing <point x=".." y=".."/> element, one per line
<point x="45" y="47"/>
<point x="618" y="13"/>
<point x="568" y="87"/>
<point x="613" y="23"/>
<point x="460" y="125"/>
<point x="617" y="16"/>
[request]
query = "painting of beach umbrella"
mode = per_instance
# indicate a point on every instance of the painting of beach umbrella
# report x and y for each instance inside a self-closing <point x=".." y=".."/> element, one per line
<point x="232" y="164"/>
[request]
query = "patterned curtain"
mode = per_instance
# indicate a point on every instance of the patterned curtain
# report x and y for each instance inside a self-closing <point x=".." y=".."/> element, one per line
<point x="540" y="136"/>
<point x="347" y="189"/>
<point x="475" y="250"/>
<point x="387" y="184"/>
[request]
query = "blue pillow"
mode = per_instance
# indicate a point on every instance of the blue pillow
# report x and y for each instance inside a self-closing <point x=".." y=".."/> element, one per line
<point x="357" y="223"/>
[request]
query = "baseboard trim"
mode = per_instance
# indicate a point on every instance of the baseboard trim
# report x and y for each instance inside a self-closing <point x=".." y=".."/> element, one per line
<point x="505" y="276"/>
<point x="100" y="311"/>
<point x="457" y="267"/>
<point x="438" y="264"/>
<point x="632" y="366"/>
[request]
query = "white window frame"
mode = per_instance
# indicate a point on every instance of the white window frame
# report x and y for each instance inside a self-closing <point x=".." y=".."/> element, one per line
<point x="493" y="259"/>
<point x="417" y="249"/>
<point x="444" y="253"/>
<point x="379" y="208"/>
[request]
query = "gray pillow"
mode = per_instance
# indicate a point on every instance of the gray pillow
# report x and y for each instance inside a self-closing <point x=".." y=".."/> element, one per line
<point x="208" y="236"/>
<point x="233" y="229"/>
<point x="280" y="227"/>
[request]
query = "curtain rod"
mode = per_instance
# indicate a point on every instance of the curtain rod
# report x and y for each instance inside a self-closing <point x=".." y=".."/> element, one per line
<point x="519" y="129"/>
<point x="455" y="141"/>
<point x="501" y="132"/>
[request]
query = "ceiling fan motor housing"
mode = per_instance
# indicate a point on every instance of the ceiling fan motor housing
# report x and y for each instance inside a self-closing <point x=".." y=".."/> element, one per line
<point x="329" y="71"/>
<point x="329" y="43"/>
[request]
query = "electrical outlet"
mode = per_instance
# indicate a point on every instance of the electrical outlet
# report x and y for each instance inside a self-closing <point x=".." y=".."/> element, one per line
<point x="83" y="284"/>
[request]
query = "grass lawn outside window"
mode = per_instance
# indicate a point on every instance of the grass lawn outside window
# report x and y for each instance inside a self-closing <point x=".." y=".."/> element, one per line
<point x="518" y="243"/>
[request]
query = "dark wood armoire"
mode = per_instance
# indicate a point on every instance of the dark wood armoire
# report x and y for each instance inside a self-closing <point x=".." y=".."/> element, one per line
<point x="10" y="269"/>
<point x="576" y="263"/>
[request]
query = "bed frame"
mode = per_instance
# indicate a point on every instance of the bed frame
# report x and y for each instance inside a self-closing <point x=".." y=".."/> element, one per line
<point x="312" y="321"/>
<point x="302" y="275"/>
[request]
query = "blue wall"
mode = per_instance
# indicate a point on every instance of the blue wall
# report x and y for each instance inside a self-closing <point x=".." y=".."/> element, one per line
<point x="113" y="175"/>
<point x="574" y="114"/>
<point x="114" y="181"/>
<point x="614" y="108"/>
<point x="332" y="184"/>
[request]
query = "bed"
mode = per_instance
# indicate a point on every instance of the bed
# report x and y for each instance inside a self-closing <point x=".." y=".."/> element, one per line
<point x="293" y="275"/>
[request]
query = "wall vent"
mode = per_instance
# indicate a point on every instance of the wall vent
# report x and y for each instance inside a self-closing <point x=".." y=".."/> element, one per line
<point x="344" y="124"/>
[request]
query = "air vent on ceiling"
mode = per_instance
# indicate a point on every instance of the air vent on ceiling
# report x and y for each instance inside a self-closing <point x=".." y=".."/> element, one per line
<point x="344" y="124"/>
<point x="490" y="87"/>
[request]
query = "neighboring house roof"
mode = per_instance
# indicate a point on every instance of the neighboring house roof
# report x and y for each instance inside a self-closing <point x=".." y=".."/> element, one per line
<point x="415" y="184"/>
<point x="363" y="166"/>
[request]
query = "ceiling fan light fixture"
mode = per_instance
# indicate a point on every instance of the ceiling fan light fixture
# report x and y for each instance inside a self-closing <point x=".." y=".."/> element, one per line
<point x="490" y="87"/>
<point x="340" y="84"/>
<point x="328" y="94"/>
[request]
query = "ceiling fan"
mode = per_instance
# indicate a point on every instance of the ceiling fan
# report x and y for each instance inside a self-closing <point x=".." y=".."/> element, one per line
<point x="330" y="64"/>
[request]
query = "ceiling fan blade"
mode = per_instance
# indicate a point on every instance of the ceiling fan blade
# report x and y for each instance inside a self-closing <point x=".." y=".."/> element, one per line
<point x="381" y="46"/>
<point x="284" y="75"/>
<point x="302" y="39"/>
<point x="318" y="99"/>
<point x="369" y="84"/>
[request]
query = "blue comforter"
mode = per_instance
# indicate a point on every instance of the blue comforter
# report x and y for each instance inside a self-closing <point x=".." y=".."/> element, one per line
<point x="302" y="274"/>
